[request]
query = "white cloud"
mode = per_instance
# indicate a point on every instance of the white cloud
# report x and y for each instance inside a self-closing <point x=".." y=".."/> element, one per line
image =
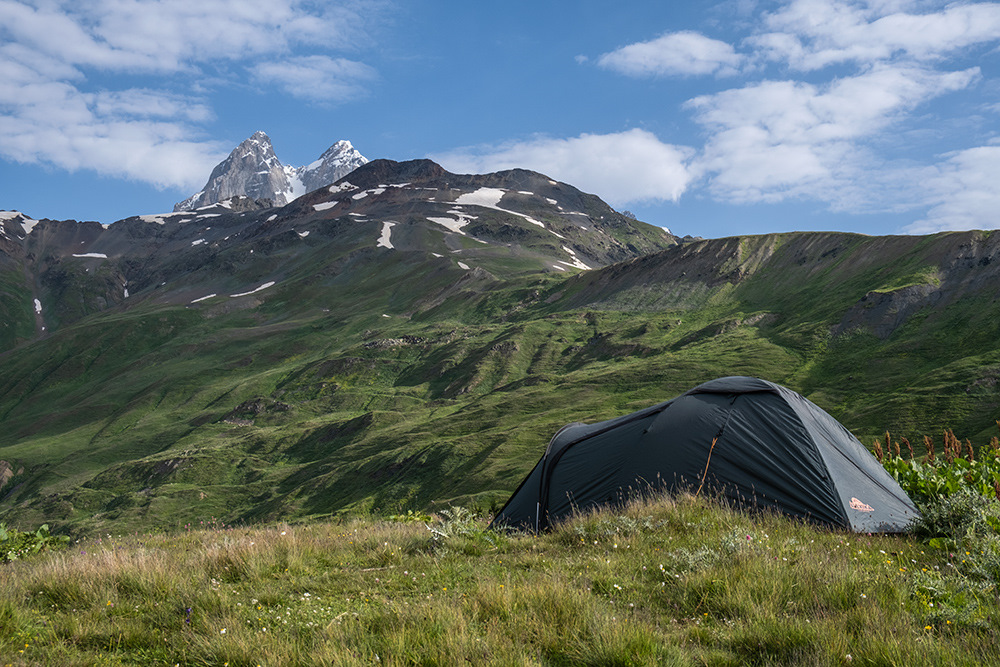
<point x="780" y="139"/>
<point x="317" y="77"/>
<point x="676" y="53"/>
<point x="623" y="167"/>
<point x="144" y="103"/>
<point x="172" y="35"/>
<point x="961" y="192"/>
<point x="159" y="153"/>
<point x="873" y="66"/>
<point x="812" y="34"/>
<point x="56" y="108"/>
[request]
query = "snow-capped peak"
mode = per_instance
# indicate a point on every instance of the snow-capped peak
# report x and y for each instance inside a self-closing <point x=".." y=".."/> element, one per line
<point x="253" y="170"/>
<point x="337" y="161"/>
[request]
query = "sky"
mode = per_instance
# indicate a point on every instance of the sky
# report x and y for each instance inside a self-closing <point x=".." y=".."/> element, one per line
<point x="710" y="119"/>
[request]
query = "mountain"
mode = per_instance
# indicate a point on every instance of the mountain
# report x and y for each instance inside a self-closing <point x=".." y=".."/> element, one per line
<point x="253" y="170"/>
<point x="407" y="338"/>
<point x="490" y="227"/>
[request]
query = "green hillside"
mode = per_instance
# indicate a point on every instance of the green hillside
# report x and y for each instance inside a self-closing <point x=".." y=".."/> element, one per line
<point x="402" y="384"/>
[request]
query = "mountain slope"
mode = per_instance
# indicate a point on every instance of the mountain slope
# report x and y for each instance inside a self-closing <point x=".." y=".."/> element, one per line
<point x="253" y="170"/>
<point x="406" y="338"/>
<point x="458" y="232"/>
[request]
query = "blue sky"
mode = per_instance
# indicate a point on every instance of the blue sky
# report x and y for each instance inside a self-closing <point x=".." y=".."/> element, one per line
<point x="712" y="119"/>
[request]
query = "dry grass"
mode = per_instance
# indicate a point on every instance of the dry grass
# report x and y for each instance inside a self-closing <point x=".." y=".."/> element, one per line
<point x="683" y="582"/>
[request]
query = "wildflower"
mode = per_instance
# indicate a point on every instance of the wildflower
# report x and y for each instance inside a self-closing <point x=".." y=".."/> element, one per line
<point x="222" y="631"/>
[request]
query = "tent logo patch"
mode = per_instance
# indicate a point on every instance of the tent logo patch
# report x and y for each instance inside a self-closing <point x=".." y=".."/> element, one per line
<point x="860" y="506"/>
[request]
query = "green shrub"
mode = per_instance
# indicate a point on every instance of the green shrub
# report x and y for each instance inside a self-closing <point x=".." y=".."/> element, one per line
<point x="959" y="516"/>
<point x="15" y="544"/>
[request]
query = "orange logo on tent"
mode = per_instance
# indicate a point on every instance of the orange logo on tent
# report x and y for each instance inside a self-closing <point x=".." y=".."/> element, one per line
<point x="860" y="506"/>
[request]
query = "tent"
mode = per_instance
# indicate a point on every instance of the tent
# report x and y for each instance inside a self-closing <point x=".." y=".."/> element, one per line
<point x="755" y="443"/>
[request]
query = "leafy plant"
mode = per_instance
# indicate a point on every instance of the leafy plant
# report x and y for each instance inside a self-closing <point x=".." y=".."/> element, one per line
<point x="454" y="521"/>
<point x="15" y="544"/>
<point x="964" y="515"/>
<point x="957" y="470"/>
<point x="410" y="517"/>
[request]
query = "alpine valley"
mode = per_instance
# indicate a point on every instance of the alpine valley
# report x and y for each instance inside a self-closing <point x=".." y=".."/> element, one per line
<point x="408" y="338"/>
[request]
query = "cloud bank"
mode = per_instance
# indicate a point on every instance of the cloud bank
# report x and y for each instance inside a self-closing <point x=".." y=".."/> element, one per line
<point x="864" y="73"/>
<point x="678" y="53"/>
<point x="624" y="167"/>
<point x="56" y="57"/>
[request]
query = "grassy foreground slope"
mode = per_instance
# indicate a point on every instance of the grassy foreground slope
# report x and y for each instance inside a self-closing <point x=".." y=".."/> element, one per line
<point x="396" y="386"/>
<point x="680" y="582"/>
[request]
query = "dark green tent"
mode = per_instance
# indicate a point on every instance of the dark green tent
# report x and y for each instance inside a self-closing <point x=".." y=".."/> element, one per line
<point x="773" y="449"/>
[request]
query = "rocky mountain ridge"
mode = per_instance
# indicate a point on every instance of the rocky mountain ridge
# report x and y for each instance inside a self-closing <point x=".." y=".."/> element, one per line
<point x="491" y="226"/>
<point x="253" y="170"/>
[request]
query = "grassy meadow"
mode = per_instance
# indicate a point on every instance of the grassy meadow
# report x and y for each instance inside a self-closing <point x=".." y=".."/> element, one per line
<point x="674" y="581"/>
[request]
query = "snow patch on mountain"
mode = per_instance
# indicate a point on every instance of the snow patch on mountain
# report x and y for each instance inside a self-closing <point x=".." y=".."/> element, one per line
<point x="364" y="193"/>
<point x="486" y="197"/>
<point x="254" y="291"/>
<point x="385" y="240"/>
<point x="577" y="262"/>
<point x="161" y="218"/>
<point x="38" y="307"/>
<point x="94" y="255"/>
<point x="334" y="189"/>
<point x="454" y="224"/>
<point x="323" y="206"/>
<point x="490" y="198"/>
<point x="27" y="224"/>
